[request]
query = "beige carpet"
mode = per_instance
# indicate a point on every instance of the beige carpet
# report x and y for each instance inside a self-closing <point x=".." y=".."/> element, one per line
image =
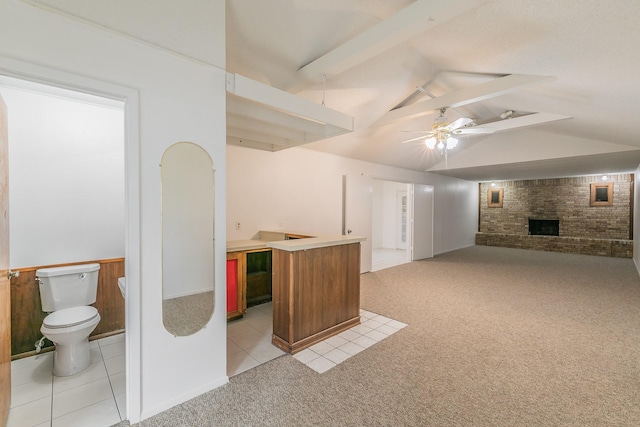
<point x="496" y="337"/>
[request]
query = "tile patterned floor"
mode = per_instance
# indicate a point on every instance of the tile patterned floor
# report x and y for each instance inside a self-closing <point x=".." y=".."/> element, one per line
<point x="94" y="397"/>
<point x="249" y="341"/>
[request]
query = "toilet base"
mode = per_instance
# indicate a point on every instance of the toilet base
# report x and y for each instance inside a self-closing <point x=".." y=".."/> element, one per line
<point x="70" y="359"/>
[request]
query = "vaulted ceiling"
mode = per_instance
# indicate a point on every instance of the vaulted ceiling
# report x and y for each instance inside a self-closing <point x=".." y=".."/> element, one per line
<point x="390" y="64"/>
<point x="367" y="57"/>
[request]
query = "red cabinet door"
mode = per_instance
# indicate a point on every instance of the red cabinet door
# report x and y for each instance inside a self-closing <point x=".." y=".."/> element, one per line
<point x="232" y="285"/>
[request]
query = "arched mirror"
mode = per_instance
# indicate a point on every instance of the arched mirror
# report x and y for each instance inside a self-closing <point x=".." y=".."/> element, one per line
<point x="187" y="238"/>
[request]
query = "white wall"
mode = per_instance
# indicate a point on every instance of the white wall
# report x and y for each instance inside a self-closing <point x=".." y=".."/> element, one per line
<point x="300" y="190"/>
<point x="66" y="179"/>
<point x="390" y="222"/>
<point x="377" y="217"/>
<point x="169" y="99"/>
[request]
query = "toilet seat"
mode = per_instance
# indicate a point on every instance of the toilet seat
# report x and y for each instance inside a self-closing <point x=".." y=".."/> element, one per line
<point x="70" y="317"/>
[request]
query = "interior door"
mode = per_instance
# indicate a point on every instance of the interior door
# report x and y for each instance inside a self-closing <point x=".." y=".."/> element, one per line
<point x="357" y="201"/>
<point x="422" y="220"/>
<point x="5" y="297"/>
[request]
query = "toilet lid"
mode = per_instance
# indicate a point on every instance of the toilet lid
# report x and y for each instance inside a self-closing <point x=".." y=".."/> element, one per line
<point x="70" y="317"/>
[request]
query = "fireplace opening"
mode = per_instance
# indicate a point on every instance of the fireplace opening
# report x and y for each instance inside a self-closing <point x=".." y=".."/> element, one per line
<point x="544" y="227"/>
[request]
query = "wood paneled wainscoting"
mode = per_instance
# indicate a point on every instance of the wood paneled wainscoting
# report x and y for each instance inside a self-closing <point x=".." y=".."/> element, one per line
<point x="27" y="314"/>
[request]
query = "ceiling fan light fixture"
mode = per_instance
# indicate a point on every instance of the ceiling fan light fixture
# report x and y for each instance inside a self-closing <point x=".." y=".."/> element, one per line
<point x="430" y="143"/>
<point x="451" y="143"/>
<point x="441" y="145"/>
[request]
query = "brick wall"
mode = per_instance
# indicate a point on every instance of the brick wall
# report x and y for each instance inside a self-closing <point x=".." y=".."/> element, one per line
<point x="601" y="230"/>
<point x="565" y="199"/>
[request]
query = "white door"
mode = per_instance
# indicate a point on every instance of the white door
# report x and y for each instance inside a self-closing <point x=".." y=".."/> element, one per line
<point x="357" y="201"/>
<point x="422" y="221"/>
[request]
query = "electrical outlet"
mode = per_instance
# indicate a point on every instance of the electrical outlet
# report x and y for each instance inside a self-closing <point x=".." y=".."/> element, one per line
<point x="237" y="225"/>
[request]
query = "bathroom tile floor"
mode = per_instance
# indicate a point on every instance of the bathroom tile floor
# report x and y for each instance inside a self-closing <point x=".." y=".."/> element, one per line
<point x="94" y="397"/>
<point x="249" y="341"/>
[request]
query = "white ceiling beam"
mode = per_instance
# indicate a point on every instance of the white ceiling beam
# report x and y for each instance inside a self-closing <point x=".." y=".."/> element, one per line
<point x="252" y="135"/>
<point x="280" y="100"/>
<point x="269" y="120"/>
<point x="469" y="95"/>
<point x="397" y="29"/>
<point x="533" y="119"/>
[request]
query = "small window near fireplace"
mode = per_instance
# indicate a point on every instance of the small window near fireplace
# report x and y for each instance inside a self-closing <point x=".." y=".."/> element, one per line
<point x="494" y="198"/>
<point x="601" y="194"/>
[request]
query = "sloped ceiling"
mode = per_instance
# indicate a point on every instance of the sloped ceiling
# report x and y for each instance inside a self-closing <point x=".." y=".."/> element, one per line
<point x="327" y="51"/>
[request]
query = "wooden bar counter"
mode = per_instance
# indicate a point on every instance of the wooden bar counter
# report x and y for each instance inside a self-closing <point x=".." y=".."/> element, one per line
<point x="316" y="289"/>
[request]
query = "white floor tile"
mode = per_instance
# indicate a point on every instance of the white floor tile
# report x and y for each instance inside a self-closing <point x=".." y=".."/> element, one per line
<point x="364" y="314"/>
<point x="336" y="341"/>
<point x="100" y="414"/>
<point x="238" y="327"/>
<point x="349" y="334"/>
<point x="396" y="324"/>
<point x="121" y="402"/>
<point x="112" y="350"/>
<point x="30" y="414"/>
<point x="33" y="377"/>
<point x="232" y="347"/>
<point x="118" y="383"/>
<point x="306" y="355"/>
<point x="240" y="362"/>
<point x="111" y="339"/>
<point x="94" y="372"/>
<point x="337" y="356"/>
<point x="364" y="341"/>
<point x="376" y="335"/>
<point x="322" y="347"/>
<point x="387" y="330"/>
<point x="381" y="319"/>
<point x="115" y="365"/>
<point x="361" y="329"/>
<point x="351" y="348"/>
<point x="265" y="351"/>
<point x="371" y="323"/>
<point x="249" y="339"/>
<point x="33" y="362"/>
<point x="78" y="397"/>
<point x="321" y="364"/>
<point x="33" y="374"/>
<point x="30" y="392"/>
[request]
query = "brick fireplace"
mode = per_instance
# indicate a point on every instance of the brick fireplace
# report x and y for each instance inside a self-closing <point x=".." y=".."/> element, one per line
<point x="564" y="220"/>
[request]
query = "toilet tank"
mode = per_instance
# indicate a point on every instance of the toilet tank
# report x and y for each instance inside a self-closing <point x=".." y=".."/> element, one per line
<point x="68" y="286"/>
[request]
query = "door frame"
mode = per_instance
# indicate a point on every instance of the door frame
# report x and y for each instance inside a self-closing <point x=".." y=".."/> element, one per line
<point x="35" y="73"/>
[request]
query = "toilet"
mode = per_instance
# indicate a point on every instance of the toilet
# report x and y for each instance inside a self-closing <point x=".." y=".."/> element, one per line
<point x="65" y="293"/>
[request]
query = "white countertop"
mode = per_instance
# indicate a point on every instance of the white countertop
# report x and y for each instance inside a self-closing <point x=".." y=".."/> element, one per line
<point x="314" y="242"/>
<point x="290" y="245"/>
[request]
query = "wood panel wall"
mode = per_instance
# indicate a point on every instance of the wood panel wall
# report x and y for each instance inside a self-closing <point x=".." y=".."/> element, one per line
<point x="27" y="314"/>
<point x="316" y="294"/>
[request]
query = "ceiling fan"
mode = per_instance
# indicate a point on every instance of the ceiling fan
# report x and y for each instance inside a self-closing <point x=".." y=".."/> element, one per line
<point x="444" y="134"/>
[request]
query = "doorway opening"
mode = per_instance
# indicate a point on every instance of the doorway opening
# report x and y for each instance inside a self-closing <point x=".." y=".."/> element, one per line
<point x="391" y="225"/>
<point x="67" y="203"/>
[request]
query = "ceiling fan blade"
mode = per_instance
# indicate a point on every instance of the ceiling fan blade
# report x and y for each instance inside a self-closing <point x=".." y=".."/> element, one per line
<point x="476" y="130"/>
<point x="524" y="121"/>
<point x="462" y="121"/>
<point x="414" y="139"/>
